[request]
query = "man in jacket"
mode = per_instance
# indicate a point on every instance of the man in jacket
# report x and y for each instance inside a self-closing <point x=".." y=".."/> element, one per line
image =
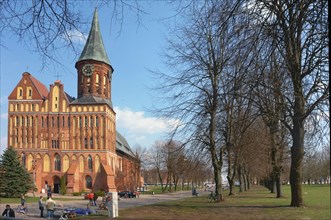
<point x="8" y="212"/>
<point x="50" y="206"/>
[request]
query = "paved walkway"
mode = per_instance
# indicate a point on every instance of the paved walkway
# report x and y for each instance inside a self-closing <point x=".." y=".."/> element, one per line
<point x="145" y="199"/>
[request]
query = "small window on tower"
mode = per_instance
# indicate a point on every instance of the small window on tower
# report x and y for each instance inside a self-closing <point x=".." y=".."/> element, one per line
<point x="91" y="143"/>
<point x="97" y="78"/>
<point x="85" y="143"/>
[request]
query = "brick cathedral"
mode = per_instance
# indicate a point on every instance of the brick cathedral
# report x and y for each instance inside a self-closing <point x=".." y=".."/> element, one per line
<point x="58" y="136"/>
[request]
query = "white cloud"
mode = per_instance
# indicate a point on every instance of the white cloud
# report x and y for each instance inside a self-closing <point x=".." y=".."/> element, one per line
<point x="140" y="129"/>
<point x="76" y="37"/>
<point x="138" y="123"/>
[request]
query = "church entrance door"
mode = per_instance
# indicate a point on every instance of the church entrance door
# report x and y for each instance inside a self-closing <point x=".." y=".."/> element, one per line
<point x="56" y="181"/>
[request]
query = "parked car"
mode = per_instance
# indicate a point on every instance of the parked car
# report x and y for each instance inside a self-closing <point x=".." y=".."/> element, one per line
<point x="126" y="194"/>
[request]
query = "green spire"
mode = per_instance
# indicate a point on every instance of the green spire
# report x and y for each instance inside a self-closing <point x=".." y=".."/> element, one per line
<point x="94" y="49"/>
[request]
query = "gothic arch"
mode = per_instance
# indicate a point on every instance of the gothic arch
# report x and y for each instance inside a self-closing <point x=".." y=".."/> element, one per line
<point x="23" y="159"/>
<point x="90" y="163"/>
<point x="81" y="163"/>
<point x="47" y="164"/>
<point x="29" y="164"/>
<point x="88" y="182"/>
<point x="97" y="164"/>
<point x="56" y="184"/>
<point x="65" y="163"/>
<point x="57" y="162"/>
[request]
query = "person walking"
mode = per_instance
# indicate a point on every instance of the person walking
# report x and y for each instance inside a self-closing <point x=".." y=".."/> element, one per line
<point x="90" y="198"/>
<point x="95" y="197"/>
<point x="22" y="200"/>
<point x="50" y="206"/>
<point x="41" y="206"/>
<point x="109" y="204"/>
<point x="8" y="212"/>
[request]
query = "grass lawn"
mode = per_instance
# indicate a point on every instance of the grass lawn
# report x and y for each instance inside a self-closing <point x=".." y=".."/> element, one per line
<point x="257" y="203"/>
<point x="33" y="200"/>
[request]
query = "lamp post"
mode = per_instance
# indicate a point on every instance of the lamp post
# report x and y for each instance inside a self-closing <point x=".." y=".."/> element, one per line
<point x="34" y="176"/>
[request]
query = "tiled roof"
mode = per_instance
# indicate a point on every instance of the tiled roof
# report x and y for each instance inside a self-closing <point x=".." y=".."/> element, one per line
<point x="92" y="100"/>
<point x="70" y="98"/>
<point x="39" y="86"/>
<point x="123" y="145"/>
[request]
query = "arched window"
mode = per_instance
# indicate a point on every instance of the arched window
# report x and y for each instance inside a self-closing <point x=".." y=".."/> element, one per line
<point x="57" y="162"/>
<point x="91" y="143"/>
<point x="86" y="121"/>
<point x="23" y="158"/>
<point x="90" y="163"/>
<point x="88" y="182"/>
<point x="17" y="121"/>
<point x="91" y="121"/>
<point x="85" y="143"/>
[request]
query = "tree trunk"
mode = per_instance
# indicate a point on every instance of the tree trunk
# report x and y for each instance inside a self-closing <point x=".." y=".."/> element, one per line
<point x="248" y="181"/>
<point x="272" y="183"/>
<point x="232" y="172"/>
<point x="245" y="179"/>
<point x="278" y="186"/>
<point x="297" y="153"/>
<point x="217" y="166"/>
<point x="241" y="182"/>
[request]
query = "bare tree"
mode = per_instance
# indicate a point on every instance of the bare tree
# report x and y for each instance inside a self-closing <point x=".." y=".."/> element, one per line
<point x="299" y="30"/>
<point x="158" y="162"/>
<point x="199" y="56"/>
<point x="269" y="100"/>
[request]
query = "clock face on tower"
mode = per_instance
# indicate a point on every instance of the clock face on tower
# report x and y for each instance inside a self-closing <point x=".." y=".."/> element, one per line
<point x="88" y="69"/>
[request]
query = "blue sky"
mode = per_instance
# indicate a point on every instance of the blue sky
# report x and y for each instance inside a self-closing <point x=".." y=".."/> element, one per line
<point x="132" y="52"/>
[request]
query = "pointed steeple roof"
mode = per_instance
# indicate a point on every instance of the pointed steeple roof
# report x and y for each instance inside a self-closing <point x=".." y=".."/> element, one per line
<point x="94" y="48"/>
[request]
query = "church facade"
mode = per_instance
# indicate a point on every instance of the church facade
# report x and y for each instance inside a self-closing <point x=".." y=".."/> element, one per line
<point x="59" y="137"/>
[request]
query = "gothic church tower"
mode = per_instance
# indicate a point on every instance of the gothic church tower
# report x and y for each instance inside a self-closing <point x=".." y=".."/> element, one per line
<point x="93" y="66"/>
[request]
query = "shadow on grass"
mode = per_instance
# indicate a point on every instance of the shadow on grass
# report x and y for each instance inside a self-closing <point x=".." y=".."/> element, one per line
<point x="270" y="196"/>
<point x="219" y="206"/>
